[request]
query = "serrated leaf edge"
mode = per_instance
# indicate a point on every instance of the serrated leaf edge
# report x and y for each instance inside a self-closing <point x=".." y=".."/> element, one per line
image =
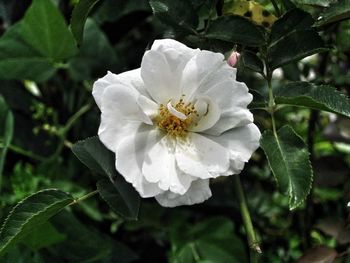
<point x="275" y="177"/>
<point x="311" y="98"/>
<point x="26" y="221"/>
<point x="121" y="214"/>
<point x="312" y="174"/>
<point x="82" y="141"/>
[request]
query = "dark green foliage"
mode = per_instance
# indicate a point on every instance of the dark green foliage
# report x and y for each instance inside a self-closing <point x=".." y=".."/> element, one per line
<point x="179" y="15"/>
<point x="29" y="214"/>
<point x="308" y="95"/>
<point x="6" y="132"/>
<point x="294" y="46"/>
<point x="251" y="61"/>
<point x="295" y="19"/>
<point x="79" y="16"/>
<point x="289" y="161"/>
<point x="339" y="10"/>
<point x="86" y="244"/>
<point x="119" y="194"/>
<point x="237" y="30"/>
<point x="32" y="48"/>
<point x="120" y="197"/>
<point x="95" y="57"/>
<point x="212" y="240"/>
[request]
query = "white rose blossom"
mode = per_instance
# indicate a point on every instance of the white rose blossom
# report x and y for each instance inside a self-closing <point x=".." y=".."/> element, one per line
<point x="176" y="122"/>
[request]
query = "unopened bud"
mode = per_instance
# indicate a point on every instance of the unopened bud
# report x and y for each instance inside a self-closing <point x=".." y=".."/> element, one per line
<point x="233" y="59"/>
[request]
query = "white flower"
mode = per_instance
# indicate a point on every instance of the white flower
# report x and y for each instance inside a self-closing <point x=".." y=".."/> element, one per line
<point x="176" y="122"/>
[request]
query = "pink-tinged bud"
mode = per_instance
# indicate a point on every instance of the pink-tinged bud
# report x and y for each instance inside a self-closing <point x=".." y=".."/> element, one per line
<point x="233" y="59"/>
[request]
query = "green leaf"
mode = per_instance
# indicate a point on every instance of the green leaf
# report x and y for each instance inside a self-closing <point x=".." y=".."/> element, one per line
<point x="295" y="19"/>
<point x="251" y="61"/>
<point x="259" y="101"/>
<point x="95" y="156"/>
<point x="95" y="57"/>
<point x="288" y="159"/>
<point x="84" y="243"/>
<point x="43" y="236"/>
<point x="119" y="194"/>
<point x="309" y="95"/>
<point x="293" y="47"/>
<point x="31" y="48"/>
<point x="30" y="213"/>
<point x="44" y="28"/>
<point x="288" y="4"/>
<point x="6" y="132"/>
<point x="236" y="29"/>
<point x="106" y="11"/>
<point x="178" y="14"/>
<point x="338" y="11"/>
<point x="120" y="197"/>
<point x="79" y="16"/>
<point x="212" y="240"/>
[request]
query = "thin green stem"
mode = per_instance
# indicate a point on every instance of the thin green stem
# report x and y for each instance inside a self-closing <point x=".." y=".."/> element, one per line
<point x="195" y="253"/>
<point x="254" y="248"/>
<point x="212" y="8"/>
<point x="63" y="133"/>
<point x="75" y="117"/>
<point x="23" y="152"/>
<point x="272" y="104"/>
<point x="80" y="199"/>
<point x="275" y="5"/>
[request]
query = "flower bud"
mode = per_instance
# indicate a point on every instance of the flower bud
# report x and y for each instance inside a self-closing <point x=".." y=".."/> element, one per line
<point x="233" y="59"/>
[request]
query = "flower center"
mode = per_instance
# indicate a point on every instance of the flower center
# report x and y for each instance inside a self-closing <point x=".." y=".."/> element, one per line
<point x="175" y="120"/>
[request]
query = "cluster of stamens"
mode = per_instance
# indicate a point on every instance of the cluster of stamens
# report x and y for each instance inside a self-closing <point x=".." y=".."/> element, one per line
<point x="176" y="124"/>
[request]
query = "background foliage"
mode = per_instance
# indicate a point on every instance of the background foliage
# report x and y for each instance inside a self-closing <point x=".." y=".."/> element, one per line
<point x="297" y="184"/>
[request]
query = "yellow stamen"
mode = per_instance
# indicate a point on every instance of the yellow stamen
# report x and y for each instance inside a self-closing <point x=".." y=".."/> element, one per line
<point x="173" y="125"/>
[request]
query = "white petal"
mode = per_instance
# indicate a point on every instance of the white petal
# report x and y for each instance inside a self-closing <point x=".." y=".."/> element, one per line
<point x="112" y="132"/>
<point x="197" y="193"/>
<point x="164" y="45"/>
<point x="133" y="79"/>
<point x="100" y="85"/>
<point x="148" y="106"/>
<point x="230" y="93"/>
<point x="200" y="69"/>
<point x="241" y="141"/>
<point x="124" y="100"/>
<point x="219" y="74"/>
<point x="231" y="119"/>
<point x="233" y="98"/>
<point x="130" y="78"/>
<point x="130" y="156"/>
<point x="120" y="115"/>
<point x="176" y="54"/>
<point x="202" y="157"/>
<point x="159" y="167"/>
<point x="160" y="82"/>
<point x="209" y="114"/>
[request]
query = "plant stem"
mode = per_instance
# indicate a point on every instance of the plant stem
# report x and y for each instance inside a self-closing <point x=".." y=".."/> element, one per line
<point x="76" y="116"/>
<point x="23" y="152"/>
<point x="76" y="201"/>
<point x="195" y="253"/>
<point x="63" y="133"/>
<point x="275" y="5"/>
<point x="272" y="104"/>
<point x="254" y="248"/>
